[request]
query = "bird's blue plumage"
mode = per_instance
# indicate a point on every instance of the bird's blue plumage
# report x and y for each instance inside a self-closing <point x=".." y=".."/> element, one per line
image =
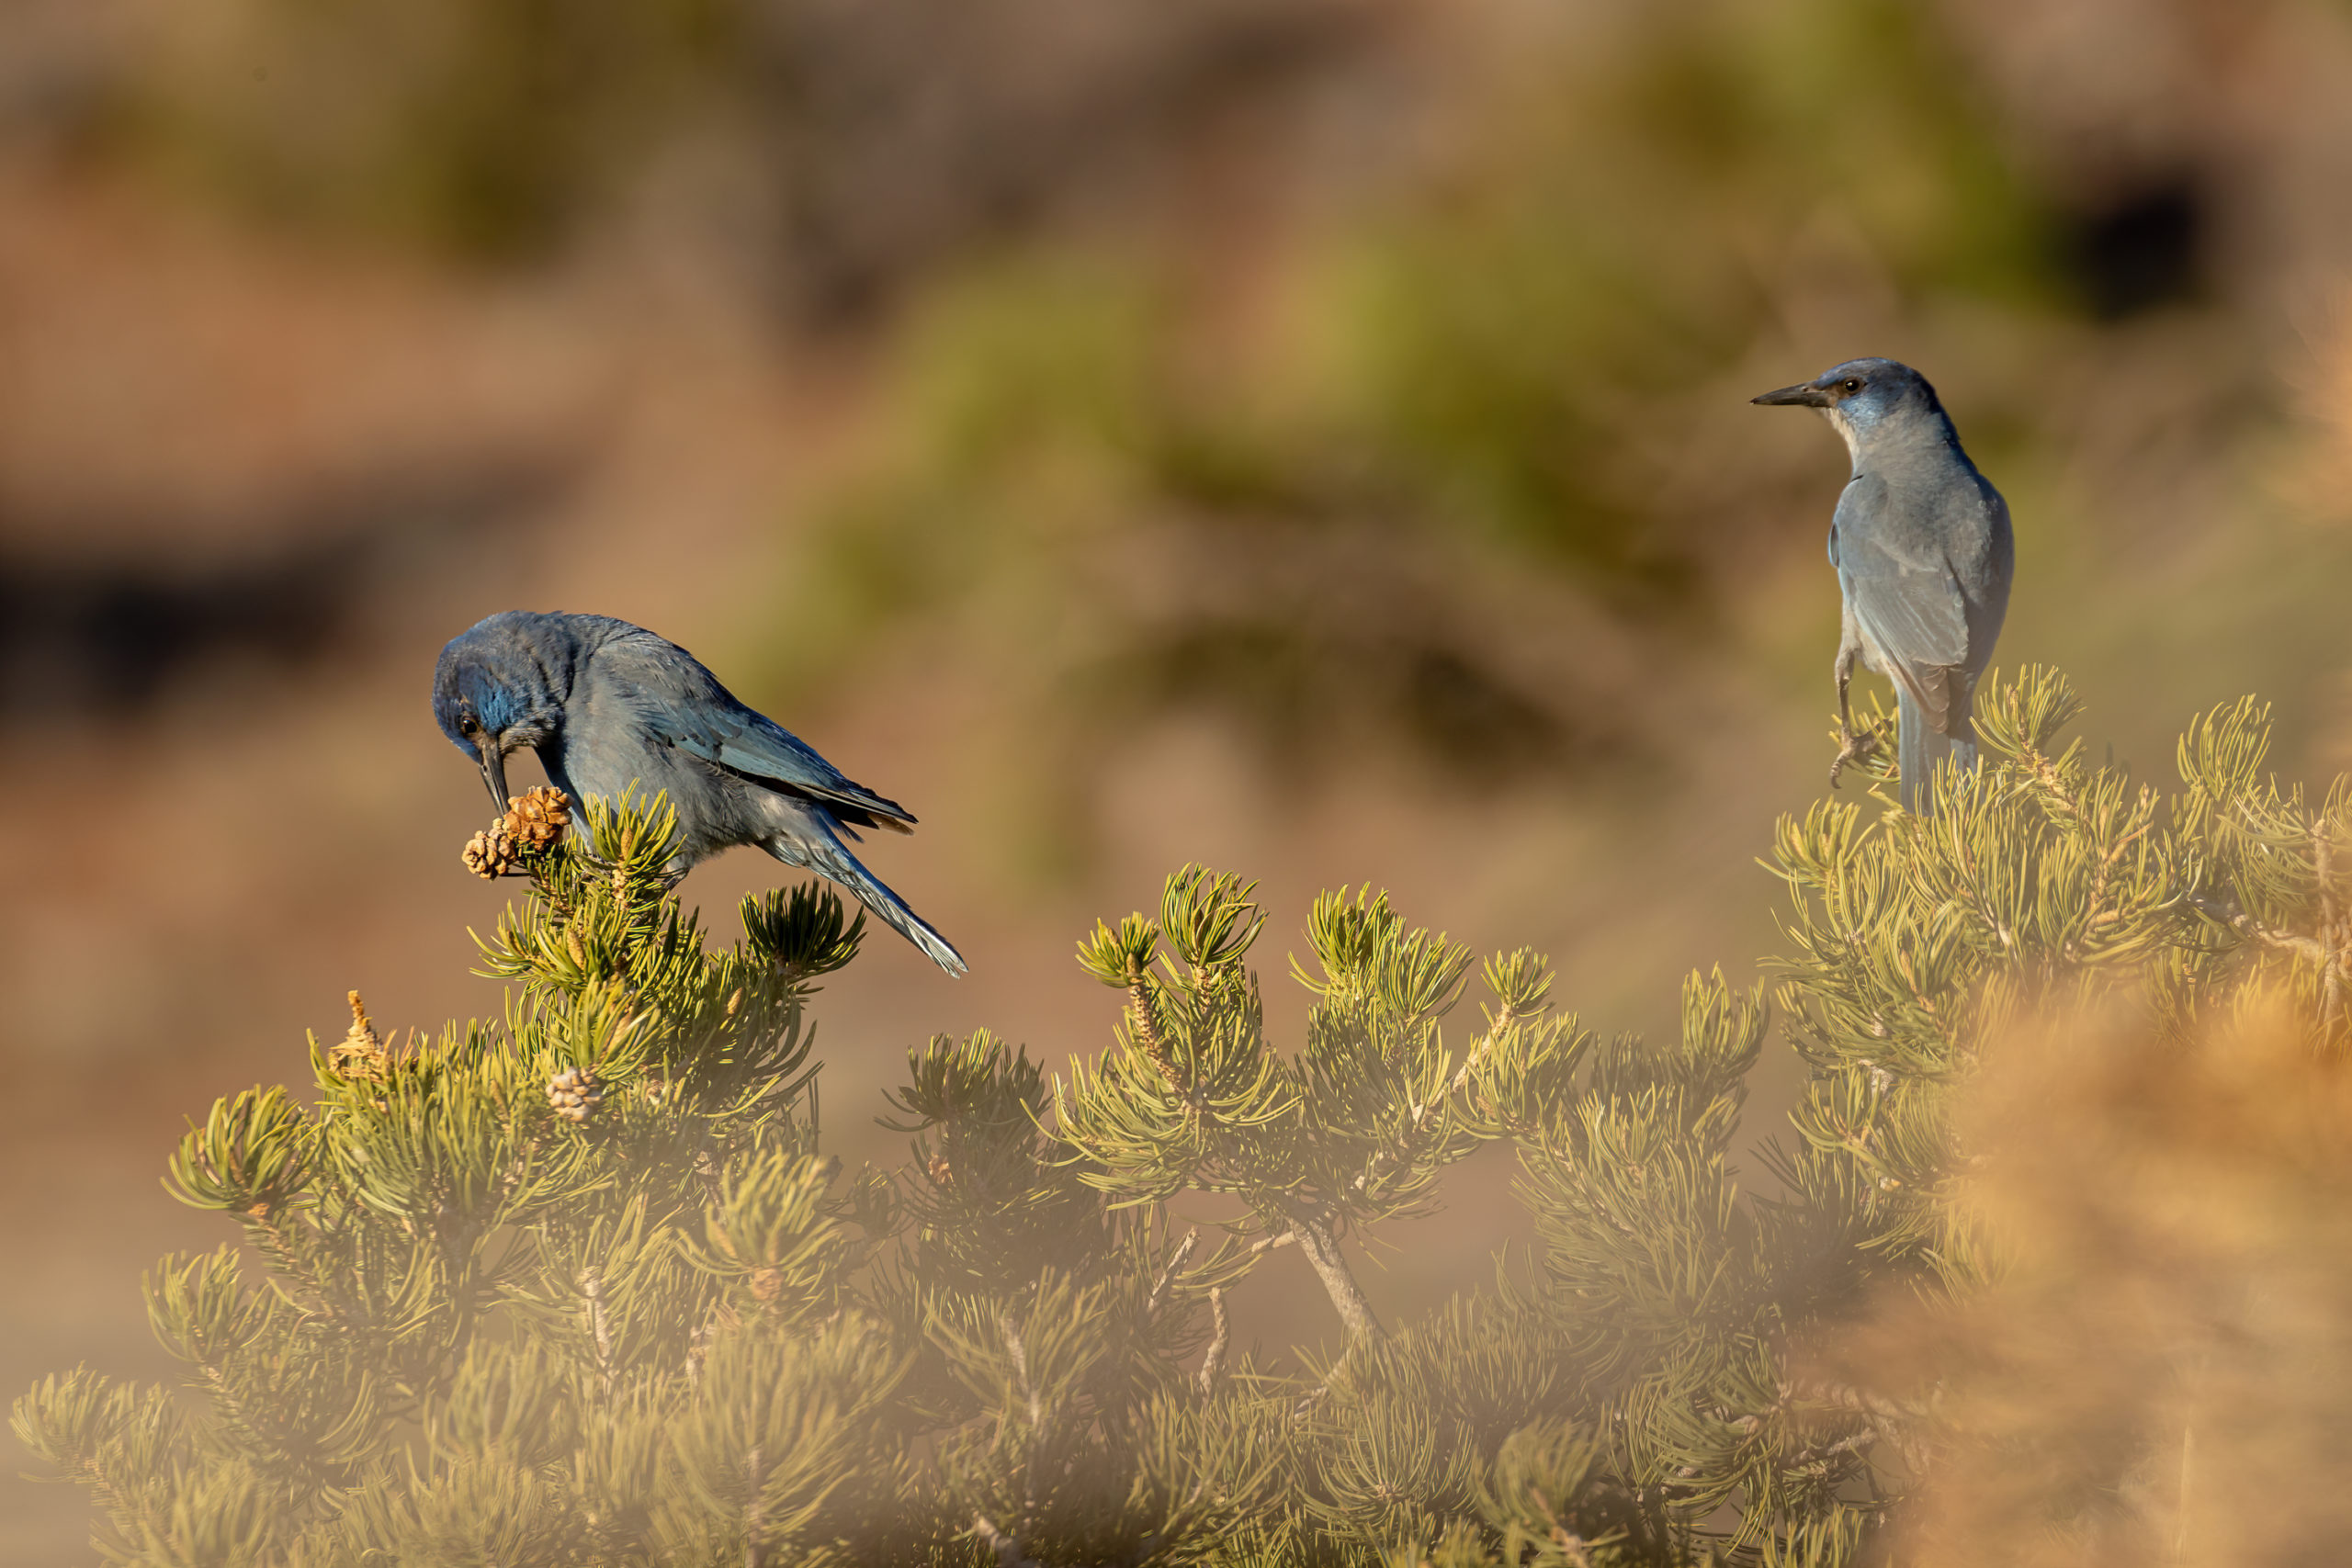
<point x="1922" y="546"/>
<point x="606" y="706"/>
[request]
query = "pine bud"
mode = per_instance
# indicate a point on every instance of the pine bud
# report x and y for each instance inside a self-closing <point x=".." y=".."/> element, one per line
<point x="362" y="1053"/>
<point x="575" y="1094"/>
<point x="491" y="852"/>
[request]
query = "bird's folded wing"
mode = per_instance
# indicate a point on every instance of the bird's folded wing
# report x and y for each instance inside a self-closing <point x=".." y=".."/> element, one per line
<point x="683" y="704"/>
<point x="1917" y="619"/>
<point x="748" y="743"/>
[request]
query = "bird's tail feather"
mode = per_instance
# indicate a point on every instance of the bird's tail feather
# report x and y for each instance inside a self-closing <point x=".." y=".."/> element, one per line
<point x="1919" y="750"/>
<point x="830" y="859"/>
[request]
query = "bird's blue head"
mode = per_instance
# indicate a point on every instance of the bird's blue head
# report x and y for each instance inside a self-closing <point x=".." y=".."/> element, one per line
<point x="500" y="686"/>
<point x="1867" y="399"/>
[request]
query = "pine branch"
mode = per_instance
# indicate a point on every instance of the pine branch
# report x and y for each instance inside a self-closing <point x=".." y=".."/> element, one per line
<point x="1386" y="1161"/>
<point x="1034" y="1401"/>
<point x="1213" y="1359"/>
<point x="592" y="1291"/>
<point x="2246" y="926"/>
<point x="1008" y="1550"/>
<point x="1176" y="1261"/>
<point x="1317" y="1240"/>
<point x="1145" y="1021"/>
<point x="2331" y="972"/>
<point x="755" y="1511"/>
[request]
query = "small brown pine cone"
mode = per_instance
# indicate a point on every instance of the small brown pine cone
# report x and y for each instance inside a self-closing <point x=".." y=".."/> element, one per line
<point x="766" y="1284"/>
<point x="574" y="1094"/>
<point x="491" y="852"/>
<point x="539" y="818"/>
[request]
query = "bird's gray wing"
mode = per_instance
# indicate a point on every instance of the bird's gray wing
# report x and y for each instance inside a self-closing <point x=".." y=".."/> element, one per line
<point x="682" y="704"/>
<point x="1905" y="595"/>
<point x="750" y="743"/>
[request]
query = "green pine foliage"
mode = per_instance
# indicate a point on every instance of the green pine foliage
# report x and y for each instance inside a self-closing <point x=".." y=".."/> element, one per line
<point x="579" y="1286"/>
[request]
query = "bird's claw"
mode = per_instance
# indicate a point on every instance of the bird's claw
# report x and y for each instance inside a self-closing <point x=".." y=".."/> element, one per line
<point x="1855" y="747"/>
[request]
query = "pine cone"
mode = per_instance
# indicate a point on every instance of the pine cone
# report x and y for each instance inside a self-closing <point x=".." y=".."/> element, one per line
<point x="537" y="819"/>
<point x="362" y="1052"/>
<point x="575" y="1094"/>
<point x="491" y="852"/>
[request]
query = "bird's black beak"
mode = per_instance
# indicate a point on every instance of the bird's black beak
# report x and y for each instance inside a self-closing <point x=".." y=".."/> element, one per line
<point x="494" y="770"/>
<point x="1805" y="394"/>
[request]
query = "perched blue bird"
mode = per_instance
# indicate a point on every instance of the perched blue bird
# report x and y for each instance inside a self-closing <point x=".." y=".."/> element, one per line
<point x="1921" y="543"/>
<point x="606" y="704"/>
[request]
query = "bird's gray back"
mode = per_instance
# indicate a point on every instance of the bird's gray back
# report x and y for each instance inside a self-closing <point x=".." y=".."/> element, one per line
<point x="622" y="706"/>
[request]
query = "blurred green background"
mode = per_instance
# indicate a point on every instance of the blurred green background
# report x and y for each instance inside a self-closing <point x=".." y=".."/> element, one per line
<point x="1305" y="435"/>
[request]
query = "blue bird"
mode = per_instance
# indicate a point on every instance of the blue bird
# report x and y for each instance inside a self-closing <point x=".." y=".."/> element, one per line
<point x="606" y="704"/>
<point x="1924" y="556"/>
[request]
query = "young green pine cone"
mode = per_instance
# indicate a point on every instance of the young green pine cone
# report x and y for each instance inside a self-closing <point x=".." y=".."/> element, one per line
<point x="491" y="852"/>
<point x="575" y="1094"/>
<point x="539" y="818"/>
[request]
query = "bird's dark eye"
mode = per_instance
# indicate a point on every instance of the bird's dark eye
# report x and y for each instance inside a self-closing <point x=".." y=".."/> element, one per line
<point x="1852" y="384"/>
<point x="465" y="724"/>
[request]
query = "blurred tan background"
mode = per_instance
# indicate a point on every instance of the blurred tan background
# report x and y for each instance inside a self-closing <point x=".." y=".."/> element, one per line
<point x="1305" y="436"/>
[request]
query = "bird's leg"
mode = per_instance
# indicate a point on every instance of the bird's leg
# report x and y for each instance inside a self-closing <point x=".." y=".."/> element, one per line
<point x="1851" y="747"/>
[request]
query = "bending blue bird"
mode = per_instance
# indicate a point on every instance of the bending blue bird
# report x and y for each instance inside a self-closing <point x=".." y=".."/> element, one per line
<point x="1921" y="543"/>
<point x="606" y="704"/>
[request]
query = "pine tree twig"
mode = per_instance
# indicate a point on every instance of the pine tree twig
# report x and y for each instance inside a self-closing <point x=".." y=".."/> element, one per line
<point x="1146" y="1025"/>
<point x="1212" y="1361"/>
<point x="1160" y="1286"/>
<point x="2331" y="972"/>
<point x="1008" y="1550"/>
<point x="1574" y="1547"/>
<point x="1503" y="1023"/>
<point x="2252" y="930"/>
<point x="1815" y="1458"/>
<point x="1021" y="1371"/>
<point x="1321" y="1246"/>
<point x="592" y="1291"/>
<point x="274" y="1244"/>
<point x="2104" y="871"/>
<point x="756" y="1511"/>
<point x="1388" y="1160"/>
<point x="1884" y="1421"/>
<point x="2045" y="774"/>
